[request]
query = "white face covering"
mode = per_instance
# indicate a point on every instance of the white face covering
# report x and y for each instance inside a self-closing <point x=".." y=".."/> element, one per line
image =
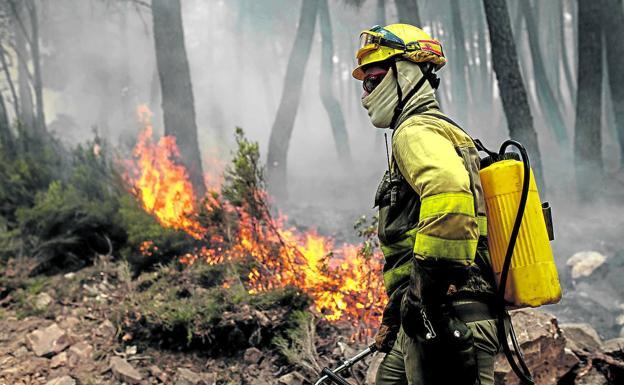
<point x="381" y="103"/>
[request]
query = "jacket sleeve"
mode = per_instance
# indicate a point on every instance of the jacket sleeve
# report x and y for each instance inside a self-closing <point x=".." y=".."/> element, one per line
<point x="447" y="226"/>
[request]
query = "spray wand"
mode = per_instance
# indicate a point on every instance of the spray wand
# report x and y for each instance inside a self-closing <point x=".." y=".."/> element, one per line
<point x="332" y="375"/>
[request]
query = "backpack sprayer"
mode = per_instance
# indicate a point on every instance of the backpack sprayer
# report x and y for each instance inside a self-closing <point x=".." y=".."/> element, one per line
<point x="530" y="279"/>
<point x="515" y="216"/>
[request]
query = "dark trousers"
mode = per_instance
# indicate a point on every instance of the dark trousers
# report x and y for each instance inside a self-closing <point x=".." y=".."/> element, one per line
<point x="403" y="365"/>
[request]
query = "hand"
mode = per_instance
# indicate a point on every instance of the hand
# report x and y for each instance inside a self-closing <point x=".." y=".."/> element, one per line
<point x="386" y="337"/>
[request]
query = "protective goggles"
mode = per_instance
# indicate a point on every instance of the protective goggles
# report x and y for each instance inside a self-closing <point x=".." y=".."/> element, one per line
<point x="372" y="81"/>
<point x="378" y="36"/>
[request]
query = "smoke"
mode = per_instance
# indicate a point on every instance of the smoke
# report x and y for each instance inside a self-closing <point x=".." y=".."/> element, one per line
<point x="99" y="65"/>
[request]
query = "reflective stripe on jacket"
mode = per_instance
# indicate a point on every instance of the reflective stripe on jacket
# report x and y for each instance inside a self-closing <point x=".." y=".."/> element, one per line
<point x="431" y="204"/>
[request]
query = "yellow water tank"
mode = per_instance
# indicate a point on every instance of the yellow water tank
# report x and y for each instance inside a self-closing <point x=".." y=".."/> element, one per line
<point x="533" y="280"/>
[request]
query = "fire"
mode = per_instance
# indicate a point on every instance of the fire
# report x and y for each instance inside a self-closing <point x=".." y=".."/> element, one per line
<point x="343" y="283"/>
<point x="161" y="184"/>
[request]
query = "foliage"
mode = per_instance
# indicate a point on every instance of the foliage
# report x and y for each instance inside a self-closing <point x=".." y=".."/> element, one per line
<point x="198" y="306"/>
<point x="367" y="230"/>
<point x="73" y="220"/>
<point x="148" y="242"/>
<point x="25" y="170"/>
<point x="297" y="343"/>
<point x="244" y="179"/>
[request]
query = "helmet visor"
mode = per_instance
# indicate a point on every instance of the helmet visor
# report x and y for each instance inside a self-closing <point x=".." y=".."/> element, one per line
<point x="369" y="41"/>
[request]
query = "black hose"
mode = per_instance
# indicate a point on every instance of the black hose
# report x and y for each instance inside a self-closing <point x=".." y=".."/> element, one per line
<point x="520" y="368"/>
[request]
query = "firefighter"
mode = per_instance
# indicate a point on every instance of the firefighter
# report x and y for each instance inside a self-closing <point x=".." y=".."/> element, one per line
<point x="439" y="326"/>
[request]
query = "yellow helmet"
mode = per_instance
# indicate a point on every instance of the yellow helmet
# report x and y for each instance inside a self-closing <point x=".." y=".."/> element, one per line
<point x="381" y="43"/>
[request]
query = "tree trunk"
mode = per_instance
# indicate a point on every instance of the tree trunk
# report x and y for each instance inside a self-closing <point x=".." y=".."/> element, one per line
<point x="512" y="89"/>
<point x="460" y="84"/>
<point x="36" y="60"/>
<point x="331" y="104"/>
<point x="548" y="104"/>
<point x="9" y="79"/>
<point x="289" y="103"/>
<point x="567" y="70"/>
<point x="27" y="116"/>
<point x="6" y="137"/>
<point x="485" y="74"/>
<point x="176" y="87"/>
<point x="587" y="138"/>
<point x="613" y="16"/>
<point x="408" y="12"/>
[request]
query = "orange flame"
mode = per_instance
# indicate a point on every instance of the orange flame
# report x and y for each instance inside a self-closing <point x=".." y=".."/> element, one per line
<point x="161" y="184"/>
<point x="344" y="284"/>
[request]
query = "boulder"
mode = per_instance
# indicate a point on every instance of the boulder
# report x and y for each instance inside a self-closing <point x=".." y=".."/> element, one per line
<point x="252" y="356"/>
<point x="125" y="372"/>
<point x="64" y="380"/>
<point x="581" y="337"/>
<point x="46" y="342"/>
<point x="544" y="348"/>
<point x="593" y="377"/>
<point x="584" y="263"/>
<point x="614" y="347"/>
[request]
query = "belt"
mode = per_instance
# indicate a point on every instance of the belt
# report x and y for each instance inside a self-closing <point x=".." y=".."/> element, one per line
<point x="471" y="311"/>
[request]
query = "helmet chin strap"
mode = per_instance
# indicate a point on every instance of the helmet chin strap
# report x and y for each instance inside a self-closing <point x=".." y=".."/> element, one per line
<point x="428" y="75"/>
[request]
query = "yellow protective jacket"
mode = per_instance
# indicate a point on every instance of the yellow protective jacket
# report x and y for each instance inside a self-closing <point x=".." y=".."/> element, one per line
<point x="431" y="203"/>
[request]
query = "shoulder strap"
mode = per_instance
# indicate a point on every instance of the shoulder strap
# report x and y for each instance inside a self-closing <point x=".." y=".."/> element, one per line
<point x="477" y="142"/>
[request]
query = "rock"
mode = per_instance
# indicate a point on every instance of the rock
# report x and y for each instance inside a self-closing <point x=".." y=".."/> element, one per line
<point x="65" y="380"/>
<point x="106" y="329"/>
<point x="581" y="336"/>
<point x="125" y="372"/>
<point x="48" y="341"/>
<point x="584" y="263"/>
<point x="614" y="347"/>
<point x="81" y="349"/>
<point x="593" y="377"/>
<point x="20" y="352"/>
<point x="292" y="378"/>
<point x="69" y="322"/>
<point x="543" y="345"/>
<point x="209" y="378"/>
<point x="252" y="356"/>
<point x="187" y="377"/>
<point x="79" y="352"/>
<point x="159" y="374"/>
<point x="58" y="360"/>
<point x="43" y="300"/>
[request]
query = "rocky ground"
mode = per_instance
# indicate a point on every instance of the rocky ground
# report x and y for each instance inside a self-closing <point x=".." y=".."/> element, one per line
<point x="67" y="329"/>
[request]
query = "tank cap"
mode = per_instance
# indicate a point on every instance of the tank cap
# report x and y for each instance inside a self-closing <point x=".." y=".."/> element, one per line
<point x="489" y="160"/>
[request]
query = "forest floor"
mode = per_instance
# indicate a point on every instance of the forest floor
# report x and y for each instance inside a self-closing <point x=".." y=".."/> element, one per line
<point x="75" y="329"/>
